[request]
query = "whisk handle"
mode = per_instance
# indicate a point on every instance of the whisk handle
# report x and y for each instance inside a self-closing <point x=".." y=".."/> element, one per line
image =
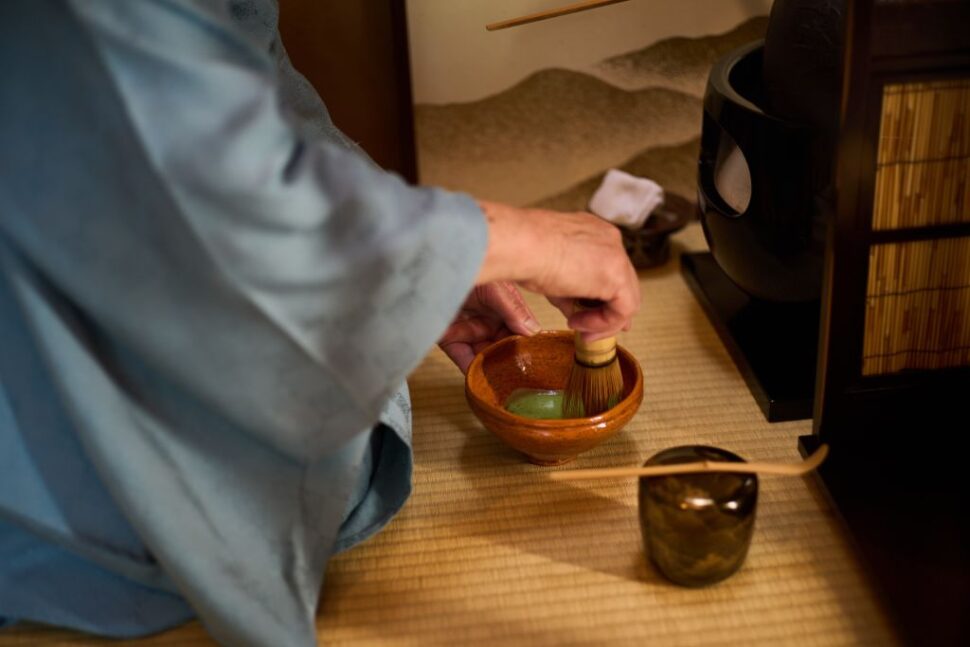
<point x="595" y="353"/>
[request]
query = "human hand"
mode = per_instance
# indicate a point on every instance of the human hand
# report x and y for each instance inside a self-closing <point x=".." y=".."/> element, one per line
<point x="491" y="312"/>
<point x="564" y="256"/>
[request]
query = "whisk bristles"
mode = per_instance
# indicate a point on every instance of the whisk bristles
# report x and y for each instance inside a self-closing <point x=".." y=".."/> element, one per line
<point x="595" y="382"/>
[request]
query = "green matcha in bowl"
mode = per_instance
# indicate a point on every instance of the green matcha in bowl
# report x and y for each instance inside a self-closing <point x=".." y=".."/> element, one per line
<point x="538" y="404"/>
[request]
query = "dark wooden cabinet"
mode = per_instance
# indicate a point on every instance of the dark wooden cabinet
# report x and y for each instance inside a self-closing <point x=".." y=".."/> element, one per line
<point x="894" y="368"/>
<point x="356" y="55"/>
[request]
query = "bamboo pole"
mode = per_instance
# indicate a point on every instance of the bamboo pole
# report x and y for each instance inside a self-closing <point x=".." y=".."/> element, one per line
<point x="576" y="7"/>
<point x="926" y="280"/>
<point x="952" y="296"/>
<point x="888" y="252"/>
<point x="936" y="272"/>
<point x="902" y="350"/>
<point x="892" y="356"/>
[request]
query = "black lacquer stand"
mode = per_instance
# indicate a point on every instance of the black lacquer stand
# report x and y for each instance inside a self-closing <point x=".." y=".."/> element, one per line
<point x="774" y="346"/>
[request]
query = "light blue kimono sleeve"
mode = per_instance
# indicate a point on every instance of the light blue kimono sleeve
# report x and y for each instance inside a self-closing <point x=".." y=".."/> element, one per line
<point x="355" y="270"/>
<point x="224" y="301"/>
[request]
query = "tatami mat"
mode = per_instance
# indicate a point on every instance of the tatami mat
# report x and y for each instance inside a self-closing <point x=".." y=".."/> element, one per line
<point x="487" y="551"/>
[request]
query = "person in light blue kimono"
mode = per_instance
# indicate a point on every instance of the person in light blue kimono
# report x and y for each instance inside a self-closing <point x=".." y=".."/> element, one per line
<point x="209" y="302"/>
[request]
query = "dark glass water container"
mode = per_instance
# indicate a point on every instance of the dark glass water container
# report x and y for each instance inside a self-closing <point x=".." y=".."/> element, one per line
<point x="697" y="527"/>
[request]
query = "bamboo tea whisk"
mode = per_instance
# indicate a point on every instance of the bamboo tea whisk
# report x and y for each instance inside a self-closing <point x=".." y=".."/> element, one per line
<point x="595" y="382"/>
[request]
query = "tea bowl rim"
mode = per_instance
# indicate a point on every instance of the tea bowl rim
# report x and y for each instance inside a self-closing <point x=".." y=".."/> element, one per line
<point x="558" y="425"/>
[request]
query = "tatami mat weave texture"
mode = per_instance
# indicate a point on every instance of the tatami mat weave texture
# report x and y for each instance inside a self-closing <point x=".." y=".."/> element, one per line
<point x="487" y="551"/>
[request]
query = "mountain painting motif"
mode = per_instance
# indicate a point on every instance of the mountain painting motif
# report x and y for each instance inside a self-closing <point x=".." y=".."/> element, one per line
<point x="547" y="140"/>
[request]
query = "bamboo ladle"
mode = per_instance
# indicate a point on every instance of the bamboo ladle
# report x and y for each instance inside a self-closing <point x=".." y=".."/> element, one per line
<point x="550" y="13"/>
<point x="780" y="469"/>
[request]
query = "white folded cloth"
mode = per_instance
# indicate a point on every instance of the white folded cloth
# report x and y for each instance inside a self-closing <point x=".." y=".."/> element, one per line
<point x="626" y="200"/>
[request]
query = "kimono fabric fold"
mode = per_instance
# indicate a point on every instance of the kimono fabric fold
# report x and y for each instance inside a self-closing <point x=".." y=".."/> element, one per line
<point x="209" y="302"/>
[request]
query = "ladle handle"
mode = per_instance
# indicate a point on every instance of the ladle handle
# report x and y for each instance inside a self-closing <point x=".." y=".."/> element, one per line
<point x="780" y="469"/>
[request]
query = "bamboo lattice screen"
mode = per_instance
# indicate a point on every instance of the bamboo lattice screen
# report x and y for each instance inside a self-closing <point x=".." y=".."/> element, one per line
<point x="923" y="160"/>
<point x="918" y="297"/>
